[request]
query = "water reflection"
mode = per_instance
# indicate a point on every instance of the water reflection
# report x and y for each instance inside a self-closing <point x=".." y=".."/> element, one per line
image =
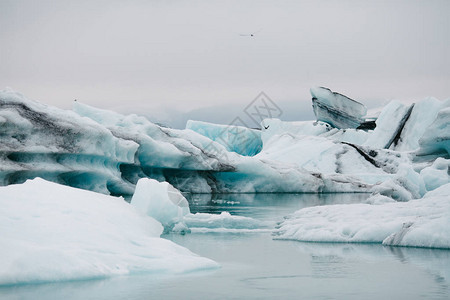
<point x="336" y="259"/>
<point x="266" y="205"/>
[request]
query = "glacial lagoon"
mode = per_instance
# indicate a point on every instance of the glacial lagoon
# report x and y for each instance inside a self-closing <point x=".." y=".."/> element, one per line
<point x="255" y="266"/>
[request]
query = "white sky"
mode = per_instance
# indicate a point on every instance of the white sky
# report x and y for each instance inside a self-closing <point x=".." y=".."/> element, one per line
<point x="187" y="55"/>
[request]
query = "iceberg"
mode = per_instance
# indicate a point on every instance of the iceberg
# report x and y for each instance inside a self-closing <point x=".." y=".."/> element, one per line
<point x="417" y="223"/>
<point x="51" y="232"/>
<point x="107" y="152"/>
<point x="59" y="145"/>
<point x="336" y="109"/>
<point x="110" y="152"/>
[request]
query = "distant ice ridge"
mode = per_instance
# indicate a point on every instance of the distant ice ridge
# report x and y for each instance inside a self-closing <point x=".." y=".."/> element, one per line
<point x="417" y="223"/>
<point x="51" y="232"/>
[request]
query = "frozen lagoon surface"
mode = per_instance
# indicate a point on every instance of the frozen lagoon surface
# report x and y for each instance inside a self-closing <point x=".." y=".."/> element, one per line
<point x="254" y="266"/>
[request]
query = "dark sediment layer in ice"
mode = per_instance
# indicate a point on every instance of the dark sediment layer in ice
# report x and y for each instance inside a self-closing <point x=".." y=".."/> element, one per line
<point x="336" y="109"/>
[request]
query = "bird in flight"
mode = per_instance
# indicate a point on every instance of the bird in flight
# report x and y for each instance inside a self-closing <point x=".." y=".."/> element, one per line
<point x="250" y="34"/>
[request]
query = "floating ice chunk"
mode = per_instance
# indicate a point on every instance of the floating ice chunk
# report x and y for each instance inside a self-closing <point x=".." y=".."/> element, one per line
<point x="335" y="109"/>
<point x="239" y="139"/>
<point x="224" y="222"/>
<point x="161" y="201"/>
<point x="51" y="232"/>
<point x="417" y="223"/>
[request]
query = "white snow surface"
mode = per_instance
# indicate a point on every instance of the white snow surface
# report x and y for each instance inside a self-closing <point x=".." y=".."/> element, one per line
<point x="417" y="223"/>
<point x="51" y="232"/>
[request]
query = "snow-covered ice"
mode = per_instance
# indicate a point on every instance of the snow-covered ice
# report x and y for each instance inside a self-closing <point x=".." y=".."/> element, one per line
<point x="417" y="223"/>
<point x="51" y="232"/>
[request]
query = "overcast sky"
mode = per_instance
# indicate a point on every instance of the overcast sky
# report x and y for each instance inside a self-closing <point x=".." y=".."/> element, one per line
<point x="189" y="55"/>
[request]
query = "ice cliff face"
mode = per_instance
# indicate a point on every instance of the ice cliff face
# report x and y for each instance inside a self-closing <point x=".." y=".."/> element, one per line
<point x="107" y="152"/>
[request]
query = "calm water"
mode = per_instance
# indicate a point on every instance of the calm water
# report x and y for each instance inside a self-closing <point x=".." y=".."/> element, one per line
<point x="256" y="267"/>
